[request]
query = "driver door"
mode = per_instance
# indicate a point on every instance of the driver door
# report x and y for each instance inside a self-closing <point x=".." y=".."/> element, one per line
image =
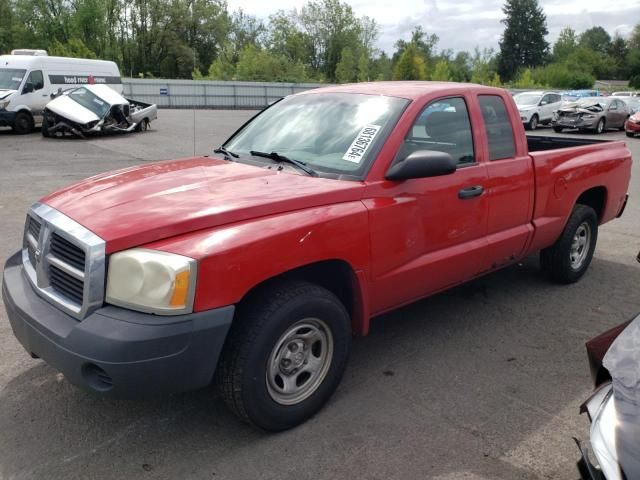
<point x="34" y="95"/>
<point x="428" y="234"/>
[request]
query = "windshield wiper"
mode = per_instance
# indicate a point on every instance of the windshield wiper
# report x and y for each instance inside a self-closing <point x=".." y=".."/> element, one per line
<point x="281" y="158"/>
<point x="228" y="153"/>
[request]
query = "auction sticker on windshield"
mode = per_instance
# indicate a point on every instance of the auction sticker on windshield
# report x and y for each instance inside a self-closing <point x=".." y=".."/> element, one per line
<point x="361" y="144"/>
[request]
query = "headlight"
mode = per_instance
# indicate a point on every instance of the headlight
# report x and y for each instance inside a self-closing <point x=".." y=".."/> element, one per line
<point x="152" y="281"/>
<point x="4" y="103"/>
<point x="603" y="437"/>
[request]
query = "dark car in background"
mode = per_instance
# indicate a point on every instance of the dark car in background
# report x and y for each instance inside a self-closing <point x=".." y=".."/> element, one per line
<point x="592" y="113"/>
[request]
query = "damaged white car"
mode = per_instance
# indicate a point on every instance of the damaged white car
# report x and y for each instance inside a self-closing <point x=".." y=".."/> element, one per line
<point x="94" y="109"/>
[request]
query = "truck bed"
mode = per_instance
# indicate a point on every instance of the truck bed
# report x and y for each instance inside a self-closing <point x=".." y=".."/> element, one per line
<point x="539" y="143"/>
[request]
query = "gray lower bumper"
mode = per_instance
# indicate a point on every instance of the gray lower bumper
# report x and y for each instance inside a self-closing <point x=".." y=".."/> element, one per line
<point x="116" y="352"/>
<point x="7" y="119"/>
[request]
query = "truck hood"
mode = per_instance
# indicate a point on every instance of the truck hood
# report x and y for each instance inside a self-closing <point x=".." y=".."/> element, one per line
<point x="71" y="110"/>
<point x="5" y="93"/>
<point x="138" y="205"/>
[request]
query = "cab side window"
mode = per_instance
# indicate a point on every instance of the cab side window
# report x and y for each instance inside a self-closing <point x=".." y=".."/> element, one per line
<point x="36" y="79"/>
<point x="499" y="129"/>
<point x="442" y="126"/>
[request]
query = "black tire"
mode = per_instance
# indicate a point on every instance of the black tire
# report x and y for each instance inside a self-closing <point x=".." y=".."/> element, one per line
<point x="557" y="129"/>
<point x="557" y="259"/>
<point x="630" y="134"/>
<point x="533" y="123"/>
<point x="600" y="127"/>
<point x="252" y="344"/>
<point x="144" y="126"/>
<point x="23" y="123"/>
<point x="45" y="127"/>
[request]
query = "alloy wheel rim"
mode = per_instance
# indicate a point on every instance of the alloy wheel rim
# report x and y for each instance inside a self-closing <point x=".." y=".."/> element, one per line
<point x="580" y="246"/>
<point x="299" y="361"/>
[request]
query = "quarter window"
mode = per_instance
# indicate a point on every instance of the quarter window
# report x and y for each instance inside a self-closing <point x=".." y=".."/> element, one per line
<point x="499" y="130"/>
<point x="442" y="126"/>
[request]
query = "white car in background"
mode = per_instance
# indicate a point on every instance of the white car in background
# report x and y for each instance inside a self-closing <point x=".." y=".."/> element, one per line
<point x="95" y="109"/>
<point x="537" y="107"/>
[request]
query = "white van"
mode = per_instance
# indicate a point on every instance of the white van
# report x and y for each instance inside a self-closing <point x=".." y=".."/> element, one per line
<point x="27" y="83"/>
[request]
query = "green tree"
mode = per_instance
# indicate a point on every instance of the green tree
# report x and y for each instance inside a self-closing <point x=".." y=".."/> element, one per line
<point x="411" y="65"/>
<point x="596" y="39"/>
<point x="461" y="67"/>
<point x="287" y="38"/>
<point x="332" y="25"/>
<point x="424" y="43"/>
<point x="346" y="70"/>
<point x="523" y="42"/>
<point x="74" y="48"/>
<point x="441" y="71"/>
<point x="363" y="67"/>
<point x="565" y="45"/>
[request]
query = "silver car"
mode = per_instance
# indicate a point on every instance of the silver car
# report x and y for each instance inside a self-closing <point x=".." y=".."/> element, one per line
<point x="592" y="113"/>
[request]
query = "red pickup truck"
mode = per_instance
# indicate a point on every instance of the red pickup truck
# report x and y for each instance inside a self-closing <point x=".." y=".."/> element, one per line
<point x="254" y="267"/>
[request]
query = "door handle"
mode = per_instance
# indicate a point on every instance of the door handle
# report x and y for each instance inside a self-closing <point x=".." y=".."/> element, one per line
<point x="470" y="192"/>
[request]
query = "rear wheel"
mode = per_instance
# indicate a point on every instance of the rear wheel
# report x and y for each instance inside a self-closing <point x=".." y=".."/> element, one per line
<point x="600" y="126"/>
<point x="557" y="129"/>
<point x="567" y="260"/>
<point x="285" y="354"/>
<point x="23" y="123"/>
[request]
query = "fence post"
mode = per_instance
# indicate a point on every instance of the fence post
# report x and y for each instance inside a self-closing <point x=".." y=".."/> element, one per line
<point x="266" y="97"/>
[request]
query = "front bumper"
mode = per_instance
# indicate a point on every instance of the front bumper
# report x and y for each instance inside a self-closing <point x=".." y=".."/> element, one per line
<point x="577" y="123"/>
<point x="7" y="119"/>
<point x="632" y="127"/>
<point x="114" y="351"/>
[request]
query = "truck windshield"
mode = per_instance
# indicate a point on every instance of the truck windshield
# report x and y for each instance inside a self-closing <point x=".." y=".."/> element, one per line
<point x="90" y="101"/>
<point x="527" y="98"/>
<point x="335" y="133"/>
<point x="11" y="78"/>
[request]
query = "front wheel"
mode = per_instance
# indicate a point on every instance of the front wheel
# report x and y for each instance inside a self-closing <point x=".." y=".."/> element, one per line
<point x="567" y="260"/>
<point x="600" y="126"/>
<point x="630" y="134"/>
<point x="533" y="123"/>
<point x="285" y="354"/>
<point x="23" y="123"/>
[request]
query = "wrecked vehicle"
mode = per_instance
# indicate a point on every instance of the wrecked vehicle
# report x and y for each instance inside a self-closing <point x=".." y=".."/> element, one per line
<point x="94" y="109"/>
<point x="632" y="125"/>
<point x="594" y="113"/>
<point x="614" y="407"/>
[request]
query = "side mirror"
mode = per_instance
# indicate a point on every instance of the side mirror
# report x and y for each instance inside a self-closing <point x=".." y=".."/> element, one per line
<point x="422" y="164"/>
<point x="28" y="88"/>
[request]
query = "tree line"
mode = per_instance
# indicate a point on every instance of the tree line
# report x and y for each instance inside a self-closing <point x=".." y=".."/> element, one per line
<point x="324" y="41"/>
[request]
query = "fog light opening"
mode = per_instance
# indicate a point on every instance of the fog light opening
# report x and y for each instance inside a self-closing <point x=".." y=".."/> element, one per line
<point x="96" y="377"/>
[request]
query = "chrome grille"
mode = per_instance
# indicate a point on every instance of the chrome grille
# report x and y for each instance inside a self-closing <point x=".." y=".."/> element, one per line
<point x="64" y="261"/>
<point x="66" y="284"/>
<point x="67" y="252"/>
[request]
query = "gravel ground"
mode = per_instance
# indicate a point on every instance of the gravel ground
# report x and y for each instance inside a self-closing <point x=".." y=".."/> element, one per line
<point x="481" y="382"/>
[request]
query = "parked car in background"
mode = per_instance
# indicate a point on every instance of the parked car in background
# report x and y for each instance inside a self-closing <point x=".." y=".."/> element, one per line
<point x="537" y="107"/>
<point x="633" y="103"/>
<point x="28" y="81"/>
<point x="614" y="407"/>
<point x="632" y="125"/>
<point x="95" y="109"/>
<point x="625" y="94"/>
<point x="593" y="113"/>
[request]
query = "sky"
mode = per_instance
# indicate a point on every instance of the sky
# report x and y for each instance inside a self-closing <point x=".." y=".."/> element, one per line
<point x="465" y="24"/>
